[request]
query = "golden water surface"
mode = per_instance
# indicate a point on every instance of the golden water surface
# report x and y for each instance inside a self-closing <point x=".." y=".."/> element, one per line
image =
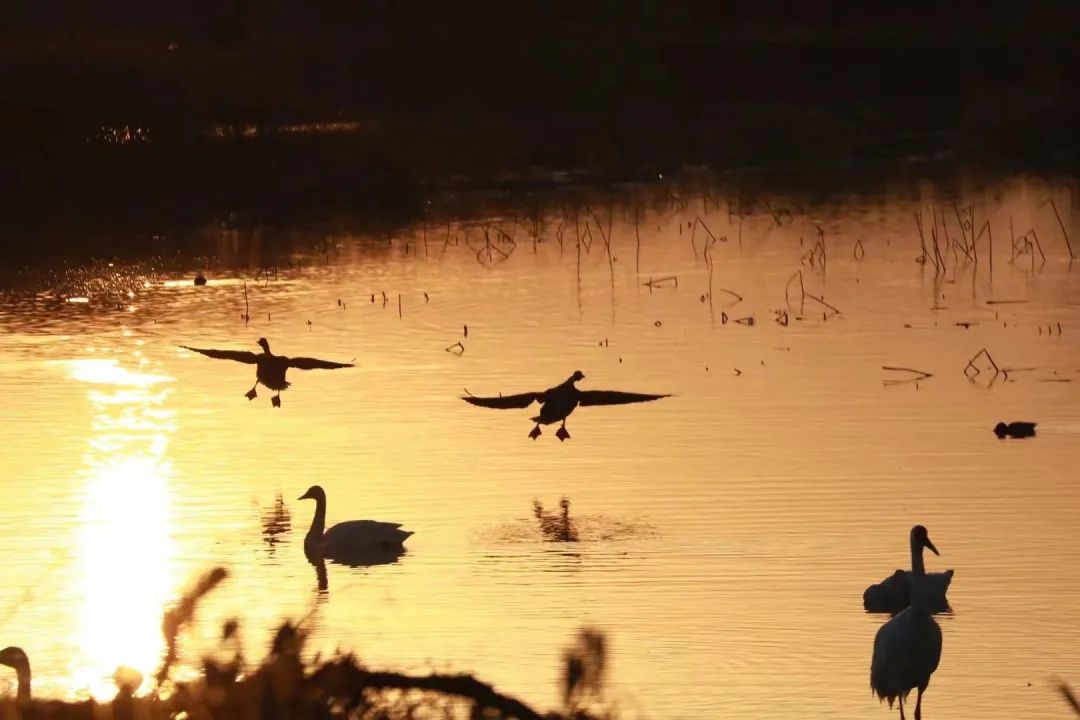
<point x="727" y="532"/>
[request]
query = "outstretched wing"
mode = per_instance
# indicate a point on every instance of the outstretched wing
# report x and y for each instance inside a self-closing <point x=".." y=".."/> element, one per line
<point x="237" y="355"/>
<point x="504" y="402"/>
<point x="303" y="363"/>
<point x="614" y="397"/>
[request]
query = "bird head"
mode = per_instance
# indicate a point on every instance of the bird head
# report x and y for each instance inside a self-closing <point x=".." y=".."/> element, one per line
<point x="15" y="658"/>
<point x="921" y="537"/>
<point x="578" y="375"/>
<point x="264" y="345"/>
<point x="1001" y="429"/>
<point x="315" y="492"/>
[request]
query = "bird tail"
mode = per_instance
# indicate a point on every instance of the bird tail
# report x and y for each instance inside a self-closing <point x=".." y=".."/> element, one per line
<point x="535" y="419"/>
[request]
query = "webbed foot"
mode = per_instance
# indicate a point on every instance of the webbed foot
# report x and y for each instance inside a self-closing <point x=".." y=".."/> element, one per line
<point x="276" y="401"/>
<point x="251" y="394"/>
<point x="562" y="434"/>
<point x="535" y="432"/>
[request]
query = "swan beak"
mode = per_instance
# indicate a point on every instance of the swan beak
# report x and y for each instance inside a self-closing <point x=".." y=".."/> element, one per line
<point x="305" y="496"/>
<point x="931" y="546"/>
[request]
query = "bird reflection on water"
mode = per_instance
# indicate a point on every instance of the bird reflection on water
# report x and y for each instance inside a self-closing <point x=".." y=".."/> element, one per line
<point x="558" y="528"/>
<point x="276" y="522"/>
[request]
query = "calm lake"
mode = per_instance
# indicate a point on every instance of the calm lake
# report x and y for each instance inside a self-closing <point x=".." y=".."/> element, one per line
<point x="726" y="533"/>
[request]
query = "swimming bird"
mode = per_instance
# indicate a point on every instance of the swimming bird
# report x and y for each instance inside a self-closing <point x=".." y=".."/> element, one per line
<point x="893" y="594"/>
<point x="1018" y="429"/>
<point x="558" y="402"/>
<point x="269" y="368"/>
<point x="16" y="659"/>
<point x="360" y="542"/>
<point x="907" y="649"/>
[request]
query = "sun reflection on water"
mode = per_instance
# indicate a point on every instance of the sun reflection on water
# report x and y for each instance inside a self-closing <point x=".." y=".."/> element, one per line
<point x="126" y="552"/>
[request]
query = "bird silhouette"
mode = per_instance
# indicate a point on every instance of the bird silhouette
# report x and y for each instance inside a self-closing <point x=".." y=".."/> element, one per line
<point x="893" y="594"/>
<point x="16" y="659"/>
<point x="907" y="649"/>
<point x="1018" y="429"/>
<point x="270" y="369"/>
<point x="556" y="403"/>
<point x="353" y="542"/>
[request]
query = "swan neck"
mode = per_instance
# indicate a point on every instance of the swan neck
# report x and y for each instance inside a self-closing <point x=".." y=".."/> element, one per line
<point x="318" y="523"/>
<point x="22" y="693"/>
<point x="918" y="569"/>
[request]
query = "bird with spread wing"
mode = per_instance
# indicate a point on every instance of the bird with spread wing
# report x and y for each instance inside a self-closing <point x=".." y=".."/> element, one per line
<point x="558" y="402"/>
<point x="269" y="368"/>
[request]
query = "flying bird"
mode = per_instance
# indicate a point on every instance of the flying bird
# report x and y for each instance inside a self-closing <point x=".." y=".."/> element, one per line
<point x="907" y="649"/>
<point x="269" y="368"/>
<point x="558" y="402"/>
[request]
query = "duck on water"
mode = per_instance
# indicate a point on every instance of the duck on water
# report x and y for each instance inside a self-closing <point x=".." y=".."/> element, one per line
<point x="556" y="403"/>
<point x="270" y="369"/>
<point x="353" y="542"/>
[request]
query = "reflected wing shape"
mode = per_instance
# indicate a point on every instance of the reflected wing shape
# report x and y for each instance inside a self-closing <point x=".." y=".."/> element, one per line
<point x="303" y="363"/>
<point x="237" y="355"/>
<point x="614" y="397"/>
<point x="504" y="402"/>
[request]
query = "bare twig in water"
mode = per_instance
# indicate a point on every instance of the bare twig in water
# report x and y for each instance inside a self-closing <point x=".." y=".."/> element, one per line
<point x="708" y="234"/>
<point x="456" y="349"/>
<point x="971" y="370"/>
<point x="821" y="301"/>
<point x="637" y="248"/>
<point x="661" y="282"/>
<point x="916" y="375"/>
<point x="859" y="252"/>
<point x="802" y="291"/>
<point x="1064" y="232"/>
<point x="247" y="307"/>
<point x="990" y="241"/>
<point x="732" y="293"/>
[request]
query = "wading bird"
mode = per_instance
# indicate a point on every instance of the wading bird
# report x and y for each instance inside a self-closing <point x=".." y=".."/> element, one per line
<point x="269" y="368"/>
<point x="360" y="542"/>
<point x="893" y="594"/>
<point x="907" y="649"/>
<point x="558" y="402"/>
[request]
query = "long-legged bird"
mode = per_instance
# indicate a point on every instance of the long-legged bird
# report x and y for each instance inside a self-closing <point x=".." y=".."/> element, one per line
<point x="269" y="368"/>
<point x="558" y="402"/>
<point x="907" y="649"/>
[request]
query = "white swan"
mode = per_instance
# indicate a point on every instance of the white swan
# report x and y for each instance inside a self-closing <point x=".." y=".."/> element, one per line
<point x="15" y="658"/>
<point x="893" y="594"/>
<point x="350" y="538"/>
<point x="907" y="649"/>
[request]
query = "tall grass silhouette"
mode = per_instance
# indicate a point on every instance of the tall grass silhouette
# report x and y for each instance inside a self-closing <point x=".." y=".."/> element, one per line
<point x="285" y="685"/>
